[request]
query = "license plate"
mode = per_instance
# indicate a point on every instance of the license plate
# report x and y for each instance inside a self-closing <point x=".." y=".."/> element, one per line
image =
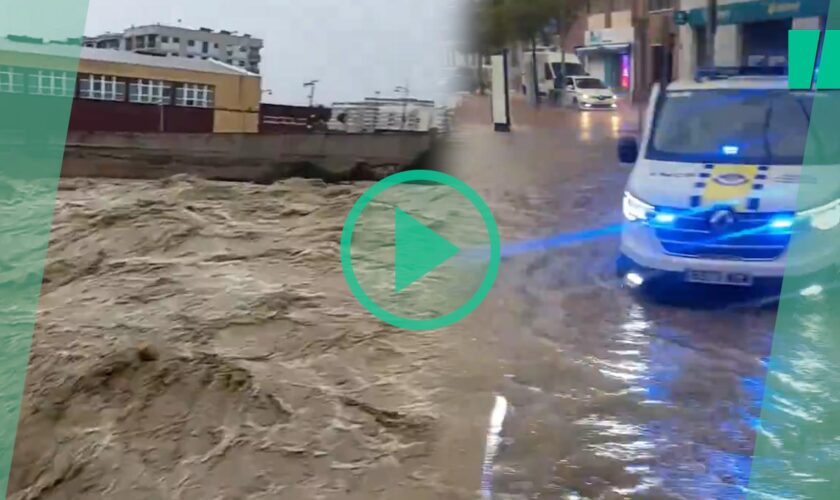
<point x="718" y="278"/>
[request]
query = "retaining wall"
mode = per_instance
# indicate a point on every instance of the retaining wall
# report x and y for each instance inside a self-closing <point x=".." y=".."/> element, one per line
<point x="241" y="157"/>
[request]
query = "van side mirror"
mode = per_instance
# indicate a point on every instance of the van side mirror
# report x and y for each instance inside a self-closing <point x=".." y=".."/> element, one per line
<point x="628" y="149"/>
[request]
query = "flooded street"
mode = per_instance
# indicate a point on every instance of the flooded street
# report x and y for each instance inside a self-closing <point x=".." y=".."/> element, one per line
<point x="607" y="394"/>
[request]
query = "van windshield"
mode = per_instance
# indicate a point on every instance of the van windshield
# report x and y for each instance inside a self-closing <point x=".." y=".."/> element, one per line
<point x="737" y="126"/>
<point x="570" y="69"/>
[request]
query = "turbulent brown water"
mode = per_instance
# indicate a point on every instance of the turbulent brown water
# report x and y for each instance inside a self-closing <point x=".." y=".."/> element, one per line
<point x="195" y="340"/>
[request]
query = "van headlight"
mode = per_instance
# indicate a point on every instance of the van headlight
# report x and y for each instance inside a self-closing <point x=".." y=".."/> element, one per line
<point x="824" y="217"/>
<point x="635" y="209"/>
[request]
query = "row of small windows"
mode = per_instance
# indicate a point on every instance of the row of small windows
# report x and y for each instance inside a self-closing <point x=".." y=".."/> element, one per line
<point x="150" y="41"/>
<point x="105" y="88"/>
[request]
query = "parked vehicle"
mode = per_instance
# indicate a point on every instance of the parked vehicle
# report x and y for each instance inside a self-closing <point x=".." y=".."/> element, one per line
<point x="587" y="93"/>
<point x="552" y="68"/>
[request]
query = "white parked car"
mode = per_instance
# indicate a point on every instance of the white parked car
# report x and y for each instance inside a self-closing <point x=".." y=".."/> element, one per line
<point x="588" y="92"/>
<point x="718" y="190"/>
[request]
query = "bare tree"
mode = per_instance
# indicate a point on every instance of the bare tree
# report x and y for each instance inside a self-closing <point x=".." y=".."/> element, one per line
<point x="493" y="24"/>
<point x="489" y="32"/>
<point x="531" y="17"/>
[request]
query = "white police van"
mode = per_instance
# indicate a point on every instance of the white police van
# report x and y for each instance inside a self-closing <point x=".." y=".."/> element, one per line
<point x="712" y="197"/>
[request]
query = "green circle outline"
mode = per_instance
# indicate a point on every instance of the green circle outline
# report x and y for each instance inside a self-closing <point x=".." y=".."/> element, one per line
<point x="489" y="276"/>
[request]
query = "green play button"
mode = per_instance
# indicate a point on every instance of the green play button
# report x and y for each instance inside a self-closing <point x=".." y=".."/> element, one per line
<point x="417" y="250"/>
<point x="420" y="250"/>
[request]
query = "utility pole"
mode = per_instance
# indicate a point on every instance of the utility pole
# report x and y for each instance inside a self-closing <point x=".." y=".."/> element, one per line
<point x="667" y="40"/>
<point x="161" y="103"/>
<point x="535" y="71"/>
<point x="162" y="124"/>
<point x="561" y="87"/>
<point x="311" y="86"/>
<point x="711" y="30"/>
<point x="640" y="52"/>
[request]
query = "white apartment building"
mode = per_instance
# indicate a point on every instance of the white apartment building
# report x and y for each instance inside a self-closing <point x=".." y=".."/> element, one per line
<point x="240" y="50"/>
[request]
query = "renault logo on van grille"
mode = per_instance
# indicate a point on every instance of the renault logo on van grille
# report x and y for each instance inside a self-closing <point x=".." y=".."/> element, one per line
<point x="731" y="179"/>
<point x="721" y="220"/>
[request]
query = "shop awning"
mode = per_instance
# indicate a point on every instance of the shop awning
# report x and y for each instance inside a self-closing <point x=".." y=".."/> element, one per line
<point x="606" y="48"/>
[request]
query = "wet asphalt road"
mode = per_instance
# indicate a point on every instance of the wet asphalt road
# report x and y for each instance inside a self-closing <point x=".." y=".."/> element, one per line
<point x="599" y="393"/>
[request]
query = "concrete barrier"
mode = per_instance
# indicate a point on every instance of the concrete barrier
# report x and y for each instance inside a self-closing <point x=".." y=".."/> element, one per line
<point x="242" y="157"/>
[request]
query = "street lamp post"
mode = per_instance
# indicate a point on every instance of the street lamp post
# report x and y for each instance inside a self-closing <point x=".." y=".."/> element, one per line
<point x="405" y="91"/>
<point x="311" y="86"/>
<point x="711" y="32"/>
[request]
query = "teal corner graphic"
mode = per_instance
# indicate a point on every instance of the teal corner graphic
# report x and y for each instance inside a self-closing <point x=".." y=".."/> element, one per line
<point x="804" y="68"/>
<point x="40" y="47"/>
<point x="796" y="452"/>
<point x="402" y="247"/>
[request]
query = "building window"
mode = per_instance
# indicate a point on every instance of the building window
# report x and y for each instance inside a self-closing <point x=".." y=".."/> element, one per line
<point x="164" y="39"/>
<point x="101" y="88"/>
<point x="56" y="83"/>
<point x="204" y="47"/>
<point x="191" y="43"/>
<point x="215" y="45"/>
<point x="176" y="39"/>
<point x="194" y="95"/>
<point x="149" y="92"/>
<point x="129" y="43"/>
<point x="152" y="41"/>
<point x="11" y="81"/>
<point x="242" y="49"/>
<point x="655" y="5"/>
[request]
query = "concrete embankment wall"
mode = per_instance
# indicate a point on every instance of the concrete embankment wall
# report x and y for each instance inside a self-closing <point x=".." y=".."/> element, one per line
<point x="244" y="157"/>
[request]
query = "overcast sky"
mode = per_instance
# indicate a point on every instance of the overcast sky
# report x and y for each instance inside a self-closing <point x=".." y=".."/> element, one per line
<point x="354" y="47"/>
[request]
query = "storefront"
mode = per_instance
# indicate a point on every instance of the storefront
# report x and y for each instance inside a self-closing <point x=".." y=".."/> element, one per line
<point x="607" y="55"/>
<point x="754" y="32"/>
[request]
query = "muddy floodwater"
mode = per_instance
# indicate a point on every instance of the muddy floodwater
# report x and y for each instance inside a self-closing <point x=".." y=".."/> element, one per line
<point x="196" y="340"/>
